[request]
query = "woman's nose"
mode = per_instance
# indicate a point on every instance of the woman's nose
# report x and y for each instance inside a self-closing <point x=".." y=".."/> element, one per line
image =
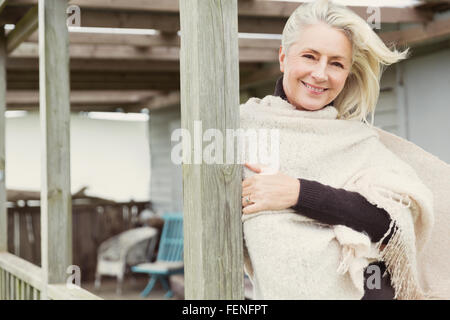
<point x="319" y="73"/>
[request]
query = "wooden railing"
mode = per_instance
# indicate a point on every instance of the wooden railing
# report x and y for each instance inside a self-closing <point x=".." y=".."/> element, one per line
<point x="19" y="279"/>
<point x="93" y="221"/>
<point x="22" y="280"/>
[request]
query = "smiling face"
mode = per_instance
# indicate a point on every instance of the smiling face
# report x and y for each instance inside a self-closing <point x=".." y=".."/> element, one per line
<point x="316" y="67"/>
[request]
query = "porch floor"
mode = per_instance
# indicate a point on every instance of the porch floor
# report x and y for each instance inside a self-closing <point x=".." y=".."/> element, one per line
<point x="131" y="289"/>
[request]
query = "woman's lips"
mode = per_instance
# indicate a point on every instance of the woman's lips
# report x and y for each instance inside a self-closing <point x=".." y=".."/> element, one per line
<point x="314" y="90"/>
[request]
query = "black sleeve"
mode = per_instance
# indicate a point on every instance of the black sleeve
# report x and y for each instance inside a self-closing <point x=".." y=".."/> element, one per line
<point x="338" y="206"/>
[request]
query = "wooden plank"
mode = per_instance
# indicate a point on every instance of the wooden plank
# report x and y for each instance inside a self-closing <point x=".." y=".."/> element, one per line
<point x="98" y="85"/>
<point x="28" y="290"/>
<point x="26" y="26"/>
<point x="84" y="97"/>
<point x="2" y="5"/>
<point x="16" y="234"/>
<point x="24" y="291"/>
<point x="22" y="269"/>
<point x="168" y="22"/>
<point x="438" y="29"/>
<point x="103" y="51"/>
<point x="144" y="41"/>
<point x="212" y="193"/>
<point x="61" y="292"/>
<point x="36" y="294"/>
<point x="7" y="275"/>
<point x="22" y="285"/>
<point x="127" y="77"/>
<point x="3" y="209"/>
<point x="246" y="8"/>
<point x="2" y="284"/>
<point x="17" y="289"/>
<point x="4" y="287"/>
<point x="254" y="16"/>
<point x="138" y="40"/>
<point x="112" y="65"/>
<point x="8" y="286"/>
<point x="11" y="286"/>
<point x="247" y="24"/>
<point x="56" y="207"/>
<point x="5" y="279"/>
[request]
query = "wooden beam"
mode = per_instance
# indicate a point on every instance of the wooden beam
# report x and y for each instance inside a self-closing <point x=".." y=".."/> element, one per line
<point x="2" y="5"/>
<point x="23" y="2"/>
<point x="25" y="80"/>
<point x="246" y="8"/>
<point x="169" y="22"/>
<point x="3" y="210"/>
<point x="146" y="41"/>
<point x="98" y="85"/>
<point x="89" y="51"/>
<point x="254" y="16"/>
<point x="13" y="13"/>
<point x="137" y="40"/>
<point x="85" y="100"/>
<point x="56" y="208"/>
<point x="212" y="192"/>
<point x="77" y="76"/>
<point x="79" y="64"/>
<point x="86" y="97"/>
<point x="414" y="36"/>
<point x="26" y="26"/>
<point x="75" y="108"/>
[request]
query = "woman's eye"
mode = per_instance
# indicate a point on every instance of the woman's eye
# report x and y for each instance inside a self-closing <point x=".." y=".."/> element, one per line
<point x="308" y="56"/>
<point x="338" y="64"/>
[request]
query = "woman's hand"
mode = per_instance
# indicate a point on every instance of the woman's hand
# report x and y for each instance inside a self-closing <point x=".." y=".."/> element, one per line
<point x="268" y="191"/>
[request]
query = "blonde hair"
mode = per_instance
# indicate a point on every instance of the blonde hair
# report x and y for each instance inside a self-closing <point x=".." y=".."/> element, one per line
<point x="360" y="94"/>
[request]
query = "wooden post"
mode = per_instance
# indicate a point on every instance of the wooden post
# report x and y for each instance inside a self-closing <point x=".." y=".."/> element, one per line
<point x="54" y="89"/>
<point x="23" y="29"/>
<point x="3" y="210"/>
<point x="209" y="67"/>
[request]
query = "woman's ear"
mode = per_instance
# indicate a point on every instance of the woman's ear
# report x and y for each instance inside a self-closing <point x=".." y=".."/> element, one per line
<point x="281" y="58"/>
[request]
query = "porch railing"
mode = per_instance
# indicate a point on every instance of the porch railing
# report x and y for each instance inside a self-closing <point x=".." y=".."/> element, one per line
<point x="22" y="280"/>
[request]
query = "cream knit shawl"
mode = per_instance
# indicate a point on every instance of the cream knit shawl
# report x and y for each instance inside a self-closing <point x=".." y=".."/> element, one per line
<point x="289" y="256"/>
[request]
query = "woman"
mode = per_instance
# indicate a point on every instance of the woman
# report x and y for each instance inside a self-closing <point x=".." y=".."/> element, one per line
<point x="355" y="204"/>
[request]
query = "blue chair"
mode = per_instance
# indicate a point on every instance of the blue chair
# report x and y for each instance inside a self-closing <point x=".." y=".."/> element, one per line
<point x="170" y="255"/>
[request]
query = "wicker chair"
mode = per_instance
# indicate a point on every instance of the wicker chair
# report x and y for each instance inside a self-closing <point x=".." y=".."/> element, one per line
<point x="117" y="254"/>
